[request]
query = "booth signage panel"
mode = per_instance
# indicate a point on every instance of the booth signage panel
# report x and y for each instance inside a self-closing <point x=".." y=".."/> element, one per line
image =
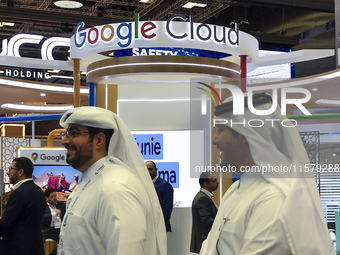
<point x="11" y="47"/>
<point x="169" y="171"/>
<point x="169" y="52"/>
<point x="44" y="156"/>
<point x="150" y="145"/>
<point x="161" y="34"/>
<point x="29" y="74"/>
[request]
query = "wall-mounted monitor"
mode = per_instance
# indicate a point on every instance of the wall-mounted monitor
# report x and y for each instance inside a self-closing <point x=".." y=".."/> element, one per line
<point x="61" y="178"/>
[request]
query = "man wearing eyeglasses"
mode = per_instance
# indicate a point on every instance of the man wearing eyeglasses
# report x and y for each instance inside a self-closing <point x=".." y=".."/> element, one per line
<point x="21" y="222"/>
<point x="165" y="193"/>
<point x="114" y="209"/>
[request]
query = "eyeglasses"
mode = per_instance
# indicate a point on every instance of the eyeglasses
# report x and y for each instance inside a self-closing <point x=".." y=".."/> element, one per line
<point x="13" y="168"/>
<point x="70" y="134"/>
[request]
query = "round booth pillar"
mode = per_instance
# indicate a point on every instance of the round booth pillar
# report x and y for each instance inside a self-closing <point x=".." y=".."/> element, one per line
<point x="76" y="82"/>
<point x="107" y="96"/>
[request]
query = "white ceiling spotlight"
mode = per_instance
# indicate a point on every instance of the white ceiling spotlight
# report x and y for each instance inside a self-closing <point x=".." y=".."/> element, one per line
<point x="69" y="4"/>
<point x="9" y="24"/>
<point x="53" y="71"/>
<point x="328" y="102"/>
<point x="42" y="94"/>
<point x="315" y="89"/>
<point x="190" y="5"/>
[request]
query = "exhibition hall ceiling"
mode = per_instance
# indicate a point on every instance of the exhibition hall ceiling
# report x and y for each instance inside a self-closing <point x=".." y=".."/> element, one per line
<point x="270" y="21"/>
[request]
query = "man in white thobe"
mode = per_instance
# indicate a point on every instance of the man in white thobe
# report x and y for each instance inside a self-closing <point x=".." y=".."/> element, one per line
<point x="272" y="210"/>
<point x="114" y="209"/>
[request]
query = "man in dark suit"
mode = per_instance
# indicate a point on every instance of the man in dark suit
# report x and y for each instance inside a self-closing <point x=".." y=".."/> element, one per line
<point x="54" y="214"/>
<point x="204" y="210"/>
<point x="21" y="222"/>
<point x="165" y="193"/>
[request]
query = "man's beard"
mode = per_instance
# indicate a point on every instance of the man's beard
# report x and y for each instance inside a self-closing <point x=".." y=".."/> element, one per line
<point x="81" y="156"/>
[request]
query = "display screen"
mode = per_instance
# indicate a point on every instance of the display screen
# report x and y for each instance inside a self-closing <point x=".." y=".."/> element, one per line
<point x="61" y="178"/>
<point x="170" y="150"/>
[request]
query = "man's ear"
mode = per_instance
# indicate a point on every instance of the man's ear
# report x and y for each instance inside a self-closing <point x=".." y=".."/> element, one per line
<point x="21" y="172"/>
<point x="205" y="184"/>
<point x="100" y="140"/>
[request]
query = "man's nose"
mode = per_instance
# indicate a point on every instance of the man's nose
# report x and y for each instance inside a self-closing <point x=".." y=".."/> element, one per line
<point x="65" y="140"/>
<point x="214" y="139"/>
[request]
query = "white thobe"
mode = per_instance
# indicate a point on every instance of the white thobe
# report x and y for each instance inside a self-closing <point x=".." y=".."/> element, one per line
<point x="248" y="220"/>
<point x="112" y="215"/>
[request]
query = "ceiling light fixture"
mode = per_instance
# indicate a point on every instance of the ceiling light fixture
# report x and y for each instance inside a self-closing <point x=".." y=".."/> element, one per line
<point x="315" y="89"/>
<point x="163" y="63"/>
<point x="69" y="4"/>
<point x="190" y="5"/>
<point x="329" y="102"/>
<point x="62" y="77"/>
<point x="5" y="82"/>
<point x="37" y="107"/>
<point x="9" y="24"/>
<point x="144" y="1"/>
<point x="201" y="5"/>
<point x="157" y="100"/>
<point x="294" y="83"/>
<point x="42" y="94"/>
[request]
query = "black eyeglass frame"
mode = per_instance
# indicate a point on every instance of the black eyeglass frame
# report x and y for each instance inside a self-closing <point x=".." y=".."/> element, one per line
<point x="70" y="134"/>
<point x="13" y="168"/>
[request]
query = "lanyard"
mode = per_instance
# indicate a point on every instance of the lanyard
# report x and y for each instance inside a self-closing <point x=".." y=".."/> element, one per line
<point x="69" y="202"/>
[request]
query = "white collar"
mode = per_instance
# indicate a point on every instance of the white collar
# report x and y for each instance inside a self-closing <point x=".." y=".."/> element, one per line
<point x="155" y="179"/>
<point x="89" y="172"/>
<point x="50" y="205"/>
<point x="18" y="184"/>
<point x="208" y="193"/>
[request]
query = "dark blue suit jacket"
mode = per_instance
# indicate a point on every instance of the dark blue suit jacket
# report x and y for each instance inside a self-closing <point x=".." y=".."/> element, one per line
<point x="165" y="193"/>
<point x="21" y="222"/>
